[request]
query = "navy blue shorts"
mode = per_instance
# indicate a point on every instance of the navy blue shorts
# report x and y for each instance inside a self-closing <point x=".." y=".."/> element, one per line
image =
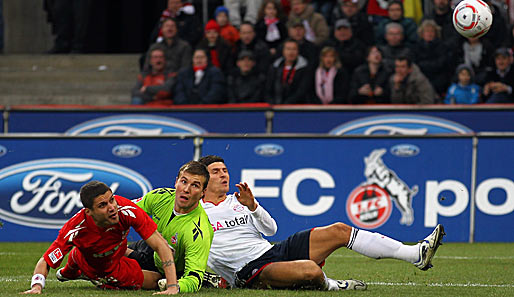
<point x="295" y="247"/>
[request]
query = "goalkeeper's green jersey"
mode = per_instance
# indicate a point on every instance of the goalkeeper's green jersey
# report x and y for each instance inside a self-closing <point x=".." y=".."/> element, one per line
<point x="189" y="234"/>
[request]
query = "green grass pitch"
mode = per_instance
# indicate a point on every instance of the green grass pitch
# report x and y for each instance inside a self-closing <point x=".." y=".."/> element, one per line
<point x="460" y="269"/>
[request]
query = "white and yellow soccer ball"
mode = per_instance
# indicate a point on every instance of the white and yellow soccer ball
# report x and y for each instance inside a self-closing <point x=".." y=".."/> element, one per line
<point x="472" y="18"/>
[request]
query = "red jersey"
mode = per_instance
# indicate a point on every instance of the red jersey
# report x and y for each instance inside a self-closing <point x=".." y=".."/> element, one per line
<point x="101" y="248"/>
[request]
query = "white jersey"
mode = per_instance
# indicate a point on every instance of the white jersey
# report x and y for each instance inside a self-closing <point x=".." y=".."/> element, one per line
<point x="237" y="235"/>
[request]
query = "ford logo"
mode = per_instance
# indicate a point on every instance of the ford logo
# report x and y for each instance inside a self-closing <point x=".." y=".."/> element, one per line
<point x="269" y="150"/>
<point x="3" y="150"/>
<point x="400" y="124"/>
<point x="404" y="150"/>
<point x="135" y="125"/>
<point x="45" y="193"/>
<point x="126" y="150"/>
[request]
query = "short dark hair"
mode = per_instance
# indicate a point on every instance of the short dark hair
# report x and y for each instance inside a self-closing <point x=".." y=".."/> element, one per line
<point x="249" y="24"/>
<point x="208" y="160"/>
<point x="291" y="40"/>
<point x="168" y="19"/>
<point x="90" y="191"/>
<point x="407" y="58"/>
<point x="196" y="168"/>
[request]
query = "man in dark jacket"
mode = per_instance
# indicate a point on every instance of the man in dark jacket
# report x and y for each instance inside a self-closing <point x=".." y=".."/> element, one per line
<point x="177" y="51"/>
<point x="246" y="83"/>
<point x="361" y="24"/>
<point x="200" y="83"/>
<point x="307" y="49"/>
<point x="248" y="42"/>
<point x="500" y="80"/>
<point x="290" y="79"/>
<point x="351" y="50"/>
<point x="188" y="23"/>
<point x="395" y="46"/>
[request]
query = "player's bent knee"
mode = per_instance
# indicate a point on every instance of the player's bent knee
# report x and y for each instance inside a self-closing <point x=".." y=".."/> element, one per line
<point x="312" y="271"/>
<point x="340" y="230"/>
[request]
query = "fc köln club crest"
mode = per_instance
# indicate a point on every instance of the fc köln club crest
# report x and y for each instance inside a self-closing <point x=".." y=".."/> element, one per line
<point x="369" y="205"/>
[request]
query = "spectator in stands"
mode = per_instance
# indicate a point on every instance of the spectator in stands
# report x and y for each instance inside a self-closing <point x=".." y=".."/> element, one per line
<point x="464" y="91"/>
<point x="396" y="14"/>
<point x="245" y="84"/>
<point x="442" y="15"/>
<point x="316" y="27"/>
<point x="201" y="83"/>
<point x="370" y="81"/>
<point x="289" y="79"/>
<point x="377" y="10"/>
<point x="350" y="49"/>
<point x="479" y="54"/>
<point x="394" y="46"/>
<point x="324" y="7"/>
<point x="177" y="51"/>
<point x="251" y="10"/>
<point x="408" y="85"/>
<point x="270" y="25"/>
<point x="217" y="49"/>
<point x="69" y="24"/>
<point x="331" y="81"/>
<point x="249" y="42"/>
<point x="308" y="50"/>
<point x="498" y="32"/>
<point x="430" y="56"/>
<point x="362" y="28"/>
<point x="188" y="23"/>
<point x="154" y="85"/>
<point x="227" y="31"/>
<point x="499" y="81"/>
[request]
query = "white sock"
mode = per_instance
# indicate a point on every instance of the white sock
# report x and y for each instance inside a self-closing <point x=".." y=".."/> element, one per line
<point x="378" y="246"/>
<point x="330" y="284"/>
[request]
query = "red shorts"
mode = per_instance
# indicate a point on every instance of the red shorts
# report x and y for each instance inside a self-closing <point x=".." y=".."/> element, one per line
<point x="125" y="274"/>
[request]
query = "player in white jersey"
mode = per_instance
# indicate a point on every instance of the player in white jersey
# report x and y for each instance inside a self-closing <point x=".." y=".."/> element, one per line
<point x="245" y="259"/>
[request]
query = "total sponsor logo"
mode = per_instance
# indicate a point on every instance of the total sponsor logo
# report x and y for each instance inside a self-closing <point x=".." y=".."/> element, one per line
<point x="136" y="125"/>
<point x="236" y="221"/>
<point x="400" y="124"/>
<point x="44" y="193"/>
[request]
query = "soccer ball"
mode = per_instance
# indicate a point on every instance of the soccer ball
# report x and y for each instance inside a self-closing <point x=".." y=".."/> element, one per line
<point x="472" y="18"/>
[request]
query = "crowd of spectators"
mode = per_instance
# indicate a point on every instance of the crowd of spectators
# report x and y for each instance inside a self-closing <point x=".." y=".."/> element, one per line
<point x="325" y="52"/>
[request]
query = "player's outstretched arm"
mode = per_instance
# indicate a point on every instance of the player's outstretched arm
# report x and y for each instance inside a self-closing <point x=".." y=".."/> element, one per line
<point x="39" y="277"/>
<point x="245" y="196"/>
<point x="262" y="219"/>
<point x="159" y="244"/>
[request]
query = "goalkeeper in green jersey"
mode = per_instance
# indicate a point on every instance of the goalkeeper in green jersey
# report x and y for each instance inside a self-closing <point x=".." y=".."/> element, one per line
<point x="183" y="223"/>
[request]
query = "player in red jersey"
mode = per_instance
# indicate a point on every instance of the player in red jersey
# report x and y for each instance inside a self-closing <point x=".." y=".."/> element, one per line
<point x="97" y="238"/>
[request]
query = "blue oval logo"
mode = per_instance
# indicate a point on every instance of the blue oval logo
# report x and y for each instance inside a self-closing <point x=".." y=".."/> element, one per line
<point x="135" y="125"/>
<point x="400" y="124"/>
<point x="3" y="150"/>
<point x="126" y="150"/>
<point x="45" y="193"/>
<point x="404" y="150"/>
<point x="269" y="150"/>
